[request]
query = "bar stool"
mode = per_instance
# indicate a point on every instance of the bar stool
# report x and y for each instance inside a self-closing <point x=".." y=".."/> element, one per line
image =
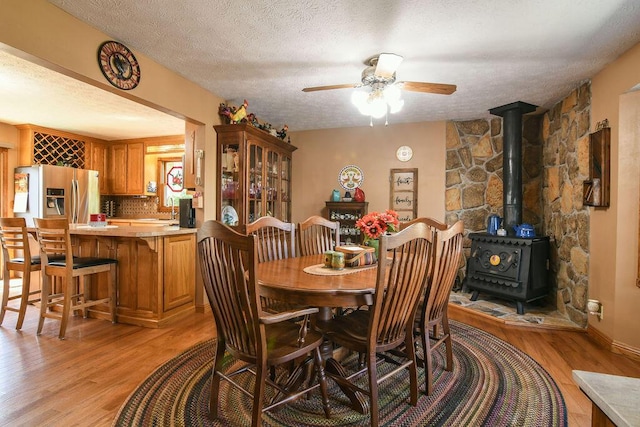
<point x="17" y="257"/>
<point x="58" y="261"/>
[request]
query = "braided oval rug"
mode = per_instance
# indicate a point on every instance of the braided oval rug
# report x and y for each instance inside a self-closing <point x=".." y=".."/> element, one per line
<point x="492" y="384"/>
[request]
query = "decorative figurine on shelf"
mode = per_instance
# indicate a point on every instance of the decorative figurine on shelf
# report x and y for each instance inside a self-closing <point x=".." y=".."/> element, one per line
<point x="253" y="120"/>
<point x="358" y="195"/>
<point x="282" y="134"/>
<point x="234" y="115"/>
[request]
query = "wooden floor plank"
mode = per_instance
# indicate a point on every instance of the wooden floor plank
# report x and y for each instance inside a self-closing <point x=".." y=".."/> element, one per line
<point x="84" y="379"/>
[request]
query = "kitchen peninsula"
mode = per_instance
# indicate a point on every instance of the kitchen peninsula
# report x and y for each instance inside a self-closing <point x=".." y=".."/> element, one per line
<point x="156" y="269"/>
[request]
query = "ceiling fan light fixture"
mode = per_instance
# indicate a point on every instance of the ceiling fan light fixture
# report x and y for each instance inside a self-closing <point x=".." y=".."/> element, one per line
<point x="396" y="106"/>
<point x="378" y="107"/>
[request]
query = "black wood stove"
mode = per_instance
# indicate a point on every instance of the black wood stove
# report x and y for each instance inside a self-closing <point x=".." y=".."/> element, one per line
<point x="513" y="268"/>
<point x="510" y="267"/>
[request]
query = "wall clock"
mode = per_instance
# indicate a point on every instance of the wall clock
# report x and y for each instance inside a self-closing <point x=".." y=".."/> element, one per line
<point x="118" y="65"/>
<point x="404" y="153"/>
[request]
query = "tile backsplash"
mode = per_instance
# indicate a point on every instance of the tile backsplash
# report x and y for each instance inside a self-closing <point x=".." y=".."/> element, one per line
<point x="133" y="207"/>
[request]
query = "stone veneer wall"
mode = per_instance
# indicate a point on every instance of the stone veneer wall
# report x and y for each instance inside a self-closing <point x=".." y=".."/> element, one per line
<point x="566" y="158"/>
<point x="554" y="165"/>
<point x="474" y="172"/>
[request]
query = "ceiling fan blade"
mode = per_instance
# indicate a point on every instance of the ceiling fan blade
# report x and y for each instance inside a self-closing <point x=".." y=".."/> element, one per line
<point x="344" y="86"/>
<point x="387" y="65"/>
<point x="437" y="88"/>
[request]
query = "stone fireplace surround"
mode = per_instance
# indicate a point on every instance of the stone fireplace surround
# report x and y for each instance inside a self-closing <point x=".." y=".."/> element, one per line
<point x="555" y="163"/>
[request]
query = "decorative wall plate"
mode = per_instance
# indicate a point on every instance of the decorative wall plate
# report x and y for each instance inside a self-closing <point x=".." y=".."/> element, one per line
<point x="350" y="177"/>
<point x="404" y="153"/>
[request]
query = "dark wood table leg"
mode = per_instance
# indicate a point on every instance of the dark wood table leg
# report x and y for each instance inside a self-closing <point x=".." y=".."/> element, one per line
<point x="359" y="402"/>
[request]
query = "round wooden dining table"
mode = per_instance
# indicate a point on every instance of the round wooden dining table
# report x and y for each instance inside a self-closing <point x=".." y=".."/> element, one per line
<point x="286" y="280"/>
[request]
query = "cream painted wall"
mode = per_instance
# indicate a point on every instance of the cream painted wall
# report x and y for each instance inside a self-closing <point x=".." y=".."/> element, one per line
<point x="42" y="33"/>
<point x="321" y="154"/>
<point x="613" y="232"/>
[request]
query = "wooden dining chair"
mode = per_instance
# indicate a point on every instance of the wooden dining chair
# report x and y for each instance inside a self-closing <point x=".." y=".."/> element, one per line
<point x="433" y="324"/>
<point x="276" y="239"/>
<point x="388" y="323"/>
<point x="317" y="235"/>
<point x="245" y="331"/>
<point x="434" y="224"/>
<point x="73" y="293"/>
<point x="17" y="258"/>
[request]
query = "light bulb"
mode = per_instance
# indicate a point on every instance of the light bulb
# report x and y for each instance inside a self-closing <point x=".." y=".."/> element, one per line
<point x="378" y="108"/>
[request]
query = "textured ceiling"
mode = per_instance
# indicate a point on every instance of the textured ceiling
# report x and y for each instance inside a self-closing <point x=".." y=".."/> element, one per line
<point x="266" y="51"/>
<point x="33" y="94"/>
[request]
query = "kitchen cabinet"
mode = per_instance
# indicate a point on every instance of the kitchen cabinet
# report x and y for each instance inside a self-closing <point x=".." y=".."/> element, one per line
<point x="347" y="213"/>
<point x="44" y="146"/>
<point x="194" y="134"/>
<point x="99" y="161"/>
<point x="255" y="175"/>
<point x="156" y="271"/>
<point x="126" y="172"/>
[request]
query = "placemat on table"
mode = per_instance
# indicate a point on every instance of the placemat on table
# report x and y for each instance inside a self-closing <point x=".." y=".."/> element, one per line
<point x="321" y="270"/>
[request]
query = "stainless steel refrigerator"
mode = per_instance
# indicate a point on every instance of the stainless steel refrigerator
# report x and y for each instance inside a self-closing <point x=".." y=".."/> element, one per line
<point x="44" y="191"/>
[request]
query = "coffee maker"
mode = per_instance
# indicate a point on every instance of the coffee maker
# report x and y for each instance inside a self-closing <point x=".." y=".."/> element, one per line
<point x="187" y="214"/>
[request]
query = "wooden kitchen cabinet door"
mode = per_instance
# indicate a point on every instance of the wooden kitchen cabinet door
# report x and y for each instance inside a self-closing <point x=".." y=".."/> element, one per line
<point x="127" y="169"/>
<point x="135" y="168"/>
<point x="118" y="177"/>
<point x="99" y="162"/>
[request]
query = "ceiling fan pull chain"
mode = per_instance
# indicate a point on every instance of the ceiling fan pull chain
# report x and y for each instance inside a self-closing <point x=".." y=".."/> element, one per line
<point x="386" y="118"/>
<point x="371" y="121"/>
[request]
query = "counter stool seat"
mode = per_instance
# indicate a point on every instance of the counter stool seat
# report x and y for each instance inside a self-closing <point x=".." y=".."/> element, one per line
<point x="57" y="261"/>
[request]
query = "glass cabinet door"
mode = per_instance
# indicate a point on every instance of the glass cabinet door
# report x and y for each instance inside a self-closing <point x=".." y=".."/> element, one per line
<point x="285" y="189"/>
<point x="273" y="173"/>
<point x="256" y="207"/>
<point x="230" y="181"/>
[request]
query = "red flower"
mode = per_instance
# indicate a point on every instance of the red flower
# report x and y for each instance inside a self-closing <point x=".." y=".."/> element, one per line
<point x="374" y="224"/>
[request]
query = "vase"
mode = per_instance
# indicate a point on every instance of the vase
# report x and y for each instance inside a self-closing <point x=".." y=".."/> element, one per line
<point x="374" y="243"/>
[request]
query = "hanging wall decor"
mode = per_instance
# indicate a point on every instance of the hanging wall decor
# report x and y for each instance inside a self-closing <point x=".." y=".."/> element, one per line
<point x="404" y="193"/>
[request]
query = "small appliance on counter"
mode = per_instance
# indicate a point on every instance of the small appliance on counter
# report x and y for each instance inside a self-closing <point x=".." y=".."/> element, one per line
<point x="187" y="214"/>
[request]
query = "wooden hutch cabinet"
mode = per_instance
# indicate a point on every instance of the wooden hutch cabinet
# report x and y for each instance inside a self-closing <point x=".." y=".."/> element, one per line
<point x="347" y="213"/>
<point x="255" y="175"/>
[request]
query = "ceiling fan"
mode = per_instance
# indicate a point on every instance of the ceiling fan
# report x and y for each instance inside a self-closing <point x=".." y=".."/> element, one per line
<point x="381" y="73"/>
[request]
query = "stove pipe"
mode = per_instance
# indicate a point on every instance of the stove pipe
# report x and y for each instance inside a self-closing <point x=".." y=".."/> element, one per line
<point x="512" y="161"/>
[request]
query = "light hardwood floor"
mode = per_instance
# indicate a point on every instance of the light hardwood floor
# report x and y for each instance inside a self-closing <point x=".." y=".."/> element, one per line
<point x="83" y="380"/>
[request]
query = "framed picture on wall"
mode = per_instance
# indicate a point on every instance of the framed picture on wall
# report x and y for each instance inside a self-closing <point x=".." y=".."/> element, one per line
<point x="404" y="193"/>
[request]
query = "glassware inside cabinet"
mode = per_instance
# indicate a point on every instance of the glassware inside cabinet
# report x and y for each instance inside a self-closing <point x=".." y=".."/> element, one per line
<point x="230" y="203"/>
<point x="256" y="173"/>
<point x="272" y="172"/>
<point x="285" y="187"/>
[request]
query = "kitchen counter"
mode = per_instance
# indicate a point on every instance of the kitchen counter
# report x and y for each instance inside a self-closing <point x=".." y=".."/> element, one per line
<point x="614" y="398"/>
<point x="131" y="230"/>
<point x="142" y="221"/>
<point x="156" y="269"/>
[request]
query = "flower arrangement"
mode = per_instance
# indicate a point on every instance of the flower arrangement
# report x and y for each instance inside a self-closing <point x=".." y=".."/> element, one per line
<point x="374" y="224"/>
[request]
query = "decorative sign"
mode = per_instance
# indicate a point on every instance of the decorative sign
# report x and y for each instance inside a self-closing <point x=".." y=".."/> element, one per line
<point x="351" y="177"/>
<point x="174" y="179"/>
<point x="404" y="193"/>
